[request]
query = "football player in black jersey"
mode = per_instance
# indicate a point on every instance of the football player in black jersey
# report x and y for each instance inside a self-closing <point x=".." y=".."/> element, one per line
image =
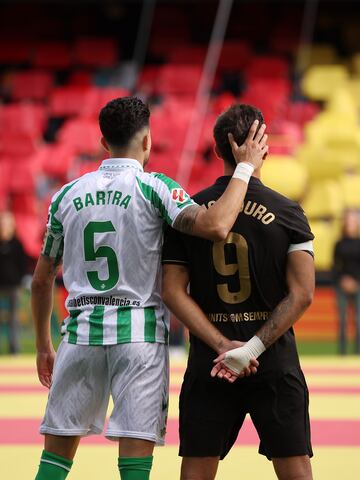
<point x="250" y="288"/>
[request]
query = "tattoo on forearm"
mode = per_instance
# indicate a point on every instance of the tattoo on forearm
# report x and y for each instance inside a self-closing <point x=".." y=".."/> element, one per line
<point x="271" y="330"/>
<point x="186" y="220"/>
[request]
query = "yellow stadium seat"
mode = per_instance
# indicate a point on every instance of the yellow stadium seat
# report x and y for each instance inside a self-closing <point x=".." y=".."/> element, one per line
<point x="324" y="162"/>
<point x="285" y="175"/>
<point x="324" y="200"/>
<point x="316" y="54"/>
<point x="353" y="87"/>
<point x="355" y="63"/>
<point x="324" y="243"/>
<point x="341" y="102"/>
<point x="320" y="81"/>
<point x="351" y="190"/>
<point x="333" y="128"/>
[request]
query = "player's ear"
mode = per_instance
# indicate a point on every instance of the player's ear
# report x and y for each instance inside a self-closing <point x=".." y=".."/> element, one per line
<point x="104" y="144"/>
<point x="147" y="142"/>
<point x="217" y="153"/>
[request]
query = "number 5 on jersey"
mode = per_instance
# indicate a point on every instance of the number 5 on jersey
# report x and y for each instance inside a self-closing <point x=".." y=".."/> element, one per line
<point x="91" y="254"/>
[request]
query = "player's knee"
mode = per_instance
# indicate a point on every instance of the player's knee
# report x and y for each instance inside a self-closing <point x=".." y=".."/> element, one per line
<point x="293" y="468"/>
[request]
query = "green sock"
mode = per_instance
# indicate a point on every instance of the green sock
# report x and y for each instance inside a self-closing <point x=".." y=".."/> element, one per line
<point x="135" y="468"/>
<point x="53" y="467"/>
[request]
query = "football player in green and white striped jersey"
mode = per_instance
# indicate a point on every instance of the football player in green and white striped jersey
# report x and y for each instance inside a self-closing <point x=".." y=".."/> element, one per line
<point x="106" y="228"/>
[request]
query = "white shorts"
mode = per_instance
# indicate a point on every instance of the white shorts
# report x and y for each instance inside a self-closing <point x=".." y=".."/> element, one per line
<point x="136" y="375"/>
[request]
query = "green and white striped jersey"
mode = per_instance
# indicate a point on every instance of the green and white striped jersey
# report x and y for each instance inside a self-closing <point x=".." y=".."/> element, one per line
<point x="107" y="226"/>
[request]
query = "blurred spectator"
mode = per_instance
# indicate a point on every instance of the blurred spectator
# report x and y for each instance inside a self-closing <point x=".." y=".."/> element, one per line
<point x="347" y="277"/>
<point x="13" y="262"/>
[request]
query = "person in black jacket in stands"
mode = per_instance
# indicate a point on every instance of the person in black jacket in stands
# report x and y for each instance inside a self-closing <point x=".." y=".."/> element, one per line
<point x="347" y="277"/>
<point x="13" y="261"/>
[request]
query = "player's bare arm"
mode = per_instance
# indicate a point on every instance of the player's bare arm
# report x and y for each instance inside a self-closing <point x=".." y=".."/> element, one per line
<point x="41" y="304"/>
<point x="301" y="284"/>
<point x="176" y="297"/>
<point x="215" y="223"/>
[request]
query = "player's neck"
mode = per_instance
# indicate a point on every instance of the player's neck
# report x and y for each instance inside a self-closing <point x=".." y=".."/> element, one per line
<point x="122" y="153"/>
<point x="229" y="170"/>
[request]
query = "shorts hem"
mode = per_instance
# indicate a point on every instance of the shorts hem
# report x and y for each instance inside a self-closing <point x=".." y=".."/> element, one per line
<point x="114" y="435"/>
<point x="286" y="455"/>
<point x="70" y="432"/>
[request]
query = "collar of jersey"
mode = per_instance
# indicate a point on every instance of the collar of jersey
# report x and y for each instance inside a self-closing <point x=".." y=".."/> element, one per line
<point x="226" y="179"/>
<point x="117" y="163"/>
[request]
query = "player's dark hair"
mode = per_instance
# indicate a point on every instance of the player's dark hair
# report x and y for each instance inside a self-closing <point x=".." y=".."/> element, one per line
<point x="236" y="120"/>
<point x="121" y="119"/>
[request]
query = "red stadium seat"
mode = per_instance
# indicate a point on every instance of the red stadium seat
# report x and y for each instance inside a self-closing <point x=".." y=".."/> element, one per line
<point x="96" y="52"/>
<point x="223" y="102"/>
<point x="147" y="79"/>
<point x="24" y="203"/>
<point x="70" y="100"/>
<point x="21" y="176"/>
<point x="57" y="161"/>
<point x="4" y="183"/>
<point x="266" y="67"/>
<point x="30" y="232"/>
<point x="15" y="52"/>
<point x="179" y="79"/>
<point x="52" y="55"/>
<point x="23" y="117"/>
<point x="234" y="55"/>
<point x="187" y="54"/>
<point x="18" y="145"/>
<point x="99" y="97"/>
<point x="81" y="134"/>
<point x="33" y="84"/>
<point x="80" y="78"/>
<point x="301" y="112"/>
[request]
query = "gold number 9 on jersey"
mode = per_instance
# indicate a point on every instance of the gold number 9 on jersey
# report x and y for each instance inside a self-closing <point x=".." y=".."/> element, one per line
<point x="241" y="268"/>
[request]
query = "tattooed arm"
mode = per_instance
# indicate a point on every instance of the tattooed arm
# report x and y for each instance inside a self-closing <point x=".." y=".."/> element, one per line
<point x="42" y="304"/>
<point x="215" y="223"/>
<point x="301" y="284"/>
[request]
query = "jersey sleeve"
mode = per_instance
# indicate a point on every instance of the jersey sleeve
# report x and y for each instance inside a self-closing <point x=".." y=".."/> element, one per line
<point x="167" y="197"/>
<point x="294" y="220"/>
<point x="53" y="245"/>
<point x="174" y="251"/>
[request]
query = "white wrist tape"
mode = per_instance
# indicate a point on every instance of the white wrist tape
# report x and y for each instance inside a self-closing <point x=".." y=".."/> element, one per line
<point x="239" y="358"/>
<point x="243" y="171"/>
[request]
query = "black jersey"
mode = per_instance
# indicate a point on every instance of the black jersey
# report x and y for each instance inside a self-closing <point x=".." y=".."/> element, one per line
<point x="238" y="282"/>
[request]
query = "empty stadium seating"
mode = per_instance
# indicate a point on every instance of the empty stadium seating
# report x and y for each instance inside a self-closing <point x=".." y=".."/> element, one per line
<point x="310" y="100"/>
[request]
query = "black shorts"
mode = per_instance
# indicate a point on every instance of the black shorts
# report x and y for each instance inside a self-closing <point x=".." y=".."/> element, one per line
<point x="213" y="411"/>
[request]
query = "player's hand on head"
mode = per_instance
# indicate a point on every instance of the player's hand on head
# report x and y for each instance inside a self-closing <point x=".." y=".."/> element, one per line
<point x="45" y="363"/>
<point x="254" y="149"/>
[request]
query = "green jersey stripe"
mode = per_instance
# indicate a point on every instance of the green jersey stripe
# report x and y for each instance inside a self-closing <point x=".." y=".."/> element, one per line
<point x="166" y="331"/>
<point x="124" y="324"/>
<point x="55" y="225"/>
<point x="171" y="185"/>
<point x="150" y="324"/>
<point x="60" y="251"/>
<point x="49" y="240"/>
<point x="73" y="325"/>
<point x="150" y="194"/>
<point x="169" y="182"/>
<point x="96" y="319"/>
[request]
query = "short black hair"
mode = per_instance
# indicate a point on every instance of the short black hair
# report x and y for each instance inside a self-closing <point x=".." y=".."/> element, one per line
<point x="122" y="118"/>
<point x="236" y="120"/>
